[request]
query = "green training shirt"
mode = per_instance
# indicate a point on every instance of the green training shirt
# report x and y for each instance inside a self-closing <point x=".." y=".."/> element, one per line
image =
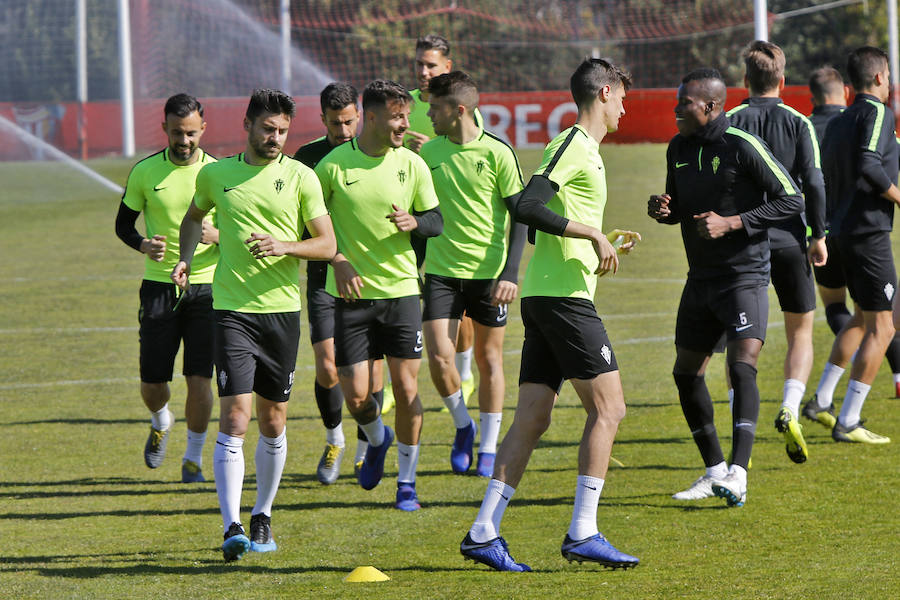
<point x="564" y="267"/>
<point x="471" y="181"/>
<point x="277" y="199"/>
<point x="359" y="190"/>
<point x="163" y="190"/>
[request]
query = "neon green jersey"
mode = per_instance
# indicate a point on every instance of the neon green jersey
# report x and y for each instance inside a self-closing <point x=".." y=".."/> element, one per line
<point x="471" y="181"/>
<point x="277" y="199"/>
<point x="564" y="267"/>
<point x="163" y="190"/>
<point x="359" y="190"/>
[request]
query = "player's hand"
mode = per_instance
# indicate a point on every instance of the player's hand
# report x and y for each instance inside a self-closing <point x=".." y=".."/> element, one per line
<point x="209" y="234"/>
<point x="658" y="206"/>
<point x="180" y="274"/>
<point x="817" y="252"/>
<point x="623" y="240"/>
<point x="155" y="248"/>
<point x="348" y="282"/>
<point x="415" y="140"/>
<point x="263" y="244"/>
<point x="609" y="260"/>
<point x="503" y="292"/>
<point x="402" y="219"/>
<point x="712" y="226"/>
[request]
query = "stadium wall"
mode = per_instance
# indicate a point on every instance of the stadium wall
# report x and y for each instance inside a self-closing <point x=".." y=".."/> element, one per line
<point x="525" y="119"/>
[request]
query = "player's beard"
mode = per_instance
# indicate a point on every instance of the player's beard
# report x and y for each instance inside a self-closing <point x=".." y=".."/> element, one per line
<point x="266" y="150"/>
<point x="183" y="153"/>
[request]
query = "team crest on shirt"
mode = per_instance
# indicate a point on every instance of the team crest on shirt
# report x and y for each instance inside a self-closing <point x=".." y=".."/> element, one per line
<point x="715" y="164"/>
<point x="888" y="291"/>
<point x="606" y="353"/>
<point x="479" y="167"/>
<point x="401" y="175"/>
<point x="279" y="185"/>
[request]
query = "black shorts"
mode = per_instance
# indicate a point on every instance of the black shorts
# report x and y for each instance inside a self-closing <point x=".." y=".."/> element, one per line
<point x="450" y="297"/>
<point x="163" y="327"/>
<point x="372" y="329"/>
<point x="868" y="264"/>
<point x="564" y="339"/>
<point x="793" y="280"/>
<point x="256" y="353"/>
<point x="738" y="308"/>
<point x="831" y="274"/>
<point x="320" y="311"/>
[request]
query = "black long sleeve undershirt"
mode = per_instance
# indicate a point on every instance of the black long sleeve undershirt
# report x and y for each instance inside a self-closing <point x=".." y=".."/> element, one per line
<point x="532" y="207"/>
<point x="430" y="222"/>
<point x="518" y="232"/>
<point x="125" y="227"/>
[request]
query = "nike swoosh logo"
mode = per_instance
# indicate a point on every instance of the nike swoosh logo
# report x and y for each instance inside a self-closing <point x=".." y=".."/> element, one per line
<point x="417" y="349"/>
<point x="678" y="165"/>
<point x="228" y="189"/>
<point x="436" y="168"/>
<point x="590" y="487"/>
<point x="405" y="454"/>
<point x="744" y="327"/>
<point x="157" y="188"/>
<point x="471" y="546"/>
<point x="504" y="497"/>
<point x="350" y="182"/>
<point x="288" y="391"/>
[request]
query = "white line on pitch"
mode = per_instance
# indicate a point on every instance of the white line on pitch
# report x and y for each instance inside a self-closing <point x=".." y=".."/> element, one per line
<point x="63" y="330"/>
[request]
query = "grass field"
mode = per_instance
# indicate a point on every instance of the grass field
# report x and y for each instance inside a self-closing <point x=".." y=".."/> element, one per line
<point x="82" y="517"/>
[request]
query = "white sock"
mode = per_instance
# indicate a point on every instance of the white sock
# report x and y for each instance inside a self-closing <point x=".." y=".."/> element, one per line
<point x="407" y="459"/>
<point x="896" y="377"/>
<point x="487" y="524"/>
<point x="853" y="403"/>
<point x="793" y="395"/>
<point x="374" y="431"/>
<point x="741" y="473"/>
<point x="162" y="419"/>
<point x="490" y="431"/>
<point x="194" y="450"/>
<point x="361" y="447"/>
<point x="584" y="514"/>
<point x="271" y="454"/>
<point x="718" y="471"/>
<point x="831" y="374"/>
<point x="335" y="436"/>
<point x="463" y="362"/>
<point x="228" y="466"/>
<point x="730" y="400"/>
<point x="457" y="407"/>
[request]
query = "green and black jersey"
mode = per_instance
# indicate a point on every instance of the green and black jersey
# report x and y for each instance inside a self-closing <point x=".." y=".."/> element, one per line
<point x="359" y="192"/>
<point x="471" y="180"/>
<point x="310" y="154"/>
<point x="276" y="199"/>
<point x="163" y="190"/>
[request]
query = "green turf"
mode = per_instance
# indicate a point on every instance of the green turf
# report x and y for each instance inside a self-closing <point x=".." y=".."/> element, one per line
<point x="82" y="517"/>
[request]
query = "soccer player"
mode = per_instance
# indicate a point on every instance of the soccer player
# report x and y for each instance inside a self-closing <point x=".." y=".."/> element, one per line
<point x="724" y="188"/>
<point x="161" y="186"/>
<point x="379" y="193"/>
<point x="263" y="200"/>
<point x="860" y="162"/>
<point x="470" y="267"/>
<point x="340" y="116"/>
<point x="792" y="140"/>
<point x="564" y="337"/>
<point x="432" y="60"/>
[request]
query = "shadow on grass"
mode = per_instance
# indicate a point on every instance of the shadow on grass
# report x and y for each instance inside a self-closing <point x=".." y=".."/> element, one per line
<point x="95" y="421"/>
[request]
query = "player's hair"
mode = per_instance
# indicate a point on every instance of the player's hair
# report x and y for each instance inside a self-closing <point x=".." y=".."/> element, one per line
<point x="457" y="86"/>
<point x="338" y="95"/>
<point x="764" y="62"/>
<point x="825" y="82"/>
<point x="432" y="41"/>
<point x="863" y="64"/>
<point x="592" y="75"/>
<point x="181" y="105"/>
<point x="275" y="102"/>
<point x="382" y="91"/>
<point x="706" y="74"/>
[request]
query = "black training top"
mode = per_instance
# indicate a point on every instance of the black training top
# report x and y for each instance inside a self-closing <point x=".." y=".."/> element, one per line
<point x="731" y="172"/>
<point x="821" y="116"/>
<point x="792" y="139"/>
<point x="859" y="159"/>
<point x="310" y="154"/>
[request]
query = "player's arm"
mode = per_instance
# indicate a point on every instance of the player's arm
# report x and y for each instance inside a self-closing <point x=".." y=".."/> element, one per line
<point x="663" y="207"/>
<point x="506" y="286"/>
<point x="810" y="168"/>
<point x="877" y="133"/>
<point x="127" y="232"/>
<point x="320" y="245"/>
<point x="188" y="237"/>
<point x="347" y="281"/>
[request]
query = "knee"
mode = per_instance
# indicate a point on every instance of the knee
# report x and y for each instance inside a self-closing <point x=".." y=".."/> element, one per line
<point x="534" y="426"/>
<point x="326" y="373"/>
<point x="234" y="423"/>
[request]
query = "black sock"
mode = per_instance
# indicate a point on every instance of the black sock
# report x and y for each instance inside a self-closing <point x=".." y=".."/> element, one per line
<point x="893" y="354"/>
<point x="837" y="315"/>
<point x="698" y="411"/>
<point x="330" y="402"/>
<point x="379" y="399"/>
<point x="745" y="412"/>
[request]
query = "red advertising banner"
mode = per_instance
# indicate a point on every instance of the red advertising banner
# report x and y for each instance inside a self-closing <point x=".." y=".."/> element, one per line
<point x="524" y="119"/>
